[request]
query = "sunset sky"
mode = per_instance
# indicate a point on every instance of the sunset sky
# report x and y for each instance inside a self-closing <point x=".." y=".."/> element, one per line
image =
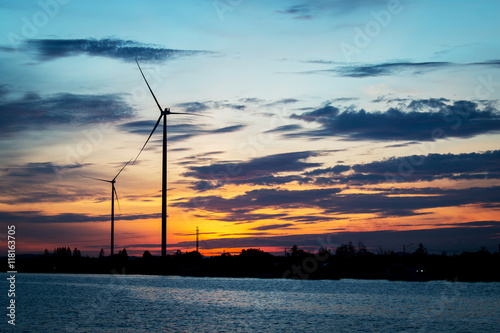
<point x="327" y="122"/>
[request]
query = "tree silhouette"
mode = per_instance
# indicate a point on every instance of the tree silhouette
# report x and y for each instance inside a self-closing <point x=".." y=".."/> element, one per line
<point x="420" y="251"/>
<point x="346" y="250"/>
<point x="77" y="253"/>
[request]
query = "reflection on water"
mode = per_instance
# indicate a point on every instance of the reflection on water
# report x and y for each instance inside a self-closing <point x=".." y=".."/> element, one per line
<point x="111" y="303"/>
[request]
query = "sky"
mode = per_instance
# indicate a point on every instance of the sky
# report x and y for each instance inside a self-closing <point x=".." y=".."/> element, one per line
<point x="321" y="123"/>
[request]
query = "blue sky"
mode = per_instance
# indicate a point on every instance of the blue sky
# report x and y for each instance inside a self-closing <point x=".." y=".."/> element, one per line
<point x="339" y="120"/>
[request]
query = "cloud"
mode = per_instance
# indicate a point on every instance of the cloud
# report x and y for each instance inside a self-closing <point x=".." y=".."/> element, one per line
<point x="413" y="168"/>
<point x="285" y="128"/>
<point x="302" y="12"/>
<point x="273" y="226"/>
<point x="41" y="218"/>
<point x="283" y="101"/>
<point x="39" y="182"/>
<point x="259" y="199"/>
<point x="306" y="10"/>
<point x="388" y="69"/>
<point x="43" y="112"/>
<point x="176" y="132"/>
<point x="429" y="167"/>
<point x="209" y="105"/>
<point x="394" y="68"/>
<point x="4" y="90"/>
<point x="261" y="170"/>
<point x="126" y="50"/>
<point x="193" y="106"/>
<point x="337" y="169"/>
<point x="461" y="119"/>
<point x="404" y="202"/>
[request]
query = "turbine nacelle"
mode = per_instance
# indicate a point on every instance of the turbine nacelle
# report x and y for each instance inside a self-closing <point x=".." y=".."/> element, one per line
<point x="165" y="112"/>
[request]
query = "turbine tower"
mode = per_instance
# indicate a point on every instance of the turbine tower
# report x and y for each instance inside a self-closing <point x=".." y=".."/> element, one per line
<point x="163" y="114"/>
<point x="113" y="193"/>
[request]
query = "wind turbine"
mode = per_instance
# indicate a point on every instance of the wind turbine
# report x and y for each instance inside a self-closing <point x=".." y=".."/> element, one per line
<point x="113" y="193"/>
<point x="163" y="114"/>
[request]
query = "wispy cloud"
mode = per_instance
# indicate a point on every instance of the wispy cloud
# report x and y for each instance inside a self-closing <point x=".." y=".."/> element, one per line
<point x="125" y="50"/>
<point x="388" y="69"/>
<point x="176" y="132"/>
<point x="42" y="112"/>
<point x="42" y="218"/>
<point x="309" y="10"/>
<point x="209" y="105"/>
<point x="39" y="182"/>
<point x="394" y="68"/>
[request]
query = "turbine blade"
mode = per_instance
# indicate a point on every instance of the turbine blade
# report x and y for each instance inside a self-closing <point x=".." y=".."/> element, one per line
<point x="117" y="201"/>
<point x="149" y="137"/>
<point x="122" y="169"/>
<point x="161" y="110"/>
<point x="102" y="180"/>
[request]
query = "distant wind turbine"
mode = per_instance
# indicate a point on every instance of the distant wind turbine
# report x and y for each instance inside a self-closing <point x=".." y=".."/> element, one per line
<point x="163" y="114"/>
<point x="113" y="193"/>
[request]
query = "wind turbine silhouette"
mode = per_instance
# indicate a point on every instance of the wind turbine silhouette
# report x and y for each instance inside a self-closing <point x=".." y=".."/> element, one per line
<point x="113" y="193"/>
<point x="163" y="114"/>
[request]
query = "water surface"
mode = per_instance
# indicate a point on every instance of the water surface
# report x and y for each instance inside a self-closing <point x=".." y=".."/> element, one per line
<point x="137" y="303"/>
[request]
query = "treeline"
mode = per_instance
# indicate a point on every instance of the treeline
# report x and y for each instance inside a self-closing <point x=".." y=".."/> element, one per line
<point x="346" y="261"/>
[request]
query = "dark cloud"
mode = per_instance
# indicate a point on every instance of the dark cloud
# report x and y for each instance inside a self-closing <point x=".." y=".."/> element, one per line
<point x="462" y="119"/>
<point x="388" y="69"/>
<point x="285" y="128"/>
<point x="261" y="170"/>
<point x="4" y="90"/>
<point x="37" y="172"/>
<point x="193" y="106"/>
<point x="176" y="132"/>
<point x="430" y="167"/>
<point x="394" y="68"/>
<point x="306" y="10"/>
<point x="37" y="112"/>
<point x="227" y="129"/>
<point x="413" y="168"/>
<point x="302" y="12"/>
<point x="39" y="182"/>
<point x="390" y="99"/>
<point x="425" y="104"/>
<point x="126" y="50"/>
<point x="41" y="218"/>
<point x="259" y="199"/>
<point x="283" y="101"/>
<point x="204" y="185"/>
<point x="337" y="169"/>
<point x="406" y="202"/>
<point x="209" y="105"/>
<point x="273" y="226"/>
